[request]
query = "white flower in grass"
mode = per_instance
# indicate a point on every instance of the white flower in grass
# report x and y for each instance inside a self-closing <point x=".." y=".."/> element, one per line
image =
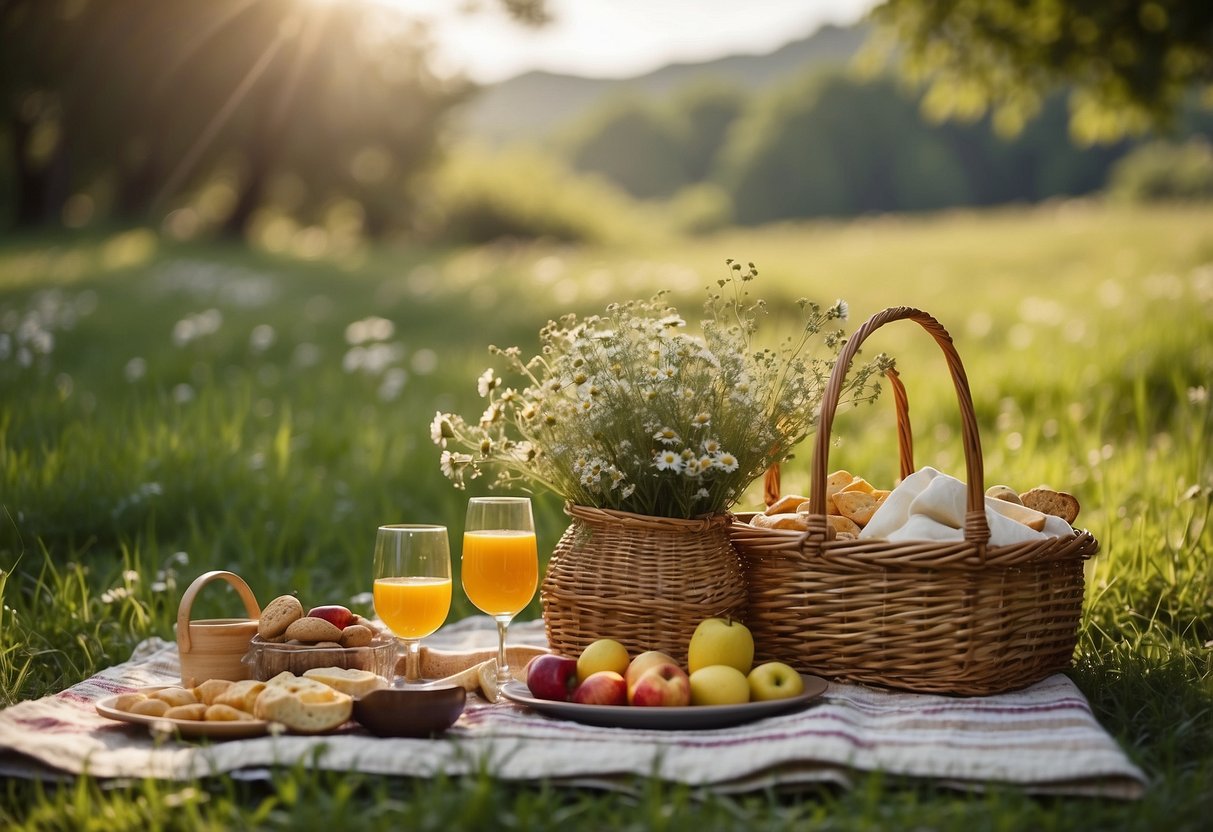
<point x="628" y="490"/>
<point x="705" y="463"/>
<point x="711" y="446"/>
<point x="701" y="419"/>
<point x="668" y="461"/>
<point x="726" y="462"/>
<point x="491" y="415"/>
<point x="839" y="310"/>
<point x="667" y="436"/>
<point x="702" y="494"/>
<point x="671" y="321"/>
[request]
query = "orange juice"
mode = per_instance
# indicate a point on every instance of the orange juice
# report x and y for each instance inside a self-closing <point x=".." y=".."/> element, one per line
<point x="500" y="570"/>
<point x="413" y="607"/>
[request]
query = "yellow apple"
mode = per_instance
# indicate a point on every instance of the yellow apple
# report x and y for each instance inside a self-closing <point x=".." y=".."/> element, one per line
<point x="646" y="660"/>
<point x="721" y="641"/>
<point x="719" y="684"/>
<point x="774" y="680"/>
<point x="603" y="654"/>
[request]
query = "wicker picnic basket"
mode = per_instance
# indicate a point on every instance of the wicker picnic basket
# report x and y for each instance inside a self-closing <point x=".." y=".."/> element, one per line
<point x="644" y="581"/>
<point x="960" y="617"/>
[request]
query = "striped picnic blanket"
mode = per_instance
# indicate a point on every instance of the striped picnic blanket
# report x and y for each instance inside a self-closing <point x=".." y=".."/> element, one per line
<point x="1043" y="739"/>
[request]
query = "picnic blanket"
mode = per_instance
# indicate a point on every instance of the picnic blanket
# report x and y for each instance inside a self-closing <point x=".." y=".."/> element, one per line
<point x="1043" y="739"/>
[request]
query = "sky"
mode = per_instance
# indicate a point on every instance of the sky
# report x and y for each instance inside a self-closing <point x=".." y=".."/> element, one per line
<point x="617" y="38"/>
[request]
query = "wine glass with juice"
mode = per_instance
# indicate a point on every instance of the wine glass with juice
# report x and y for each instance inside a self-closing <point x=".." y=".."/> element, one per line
<point x="500" y="563"/>
<point x="412" y="585"/>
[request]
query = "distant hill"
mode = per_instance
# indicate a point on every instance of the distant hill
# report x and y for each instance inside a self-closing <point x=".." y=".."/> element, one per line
<point x="532" y="105"/>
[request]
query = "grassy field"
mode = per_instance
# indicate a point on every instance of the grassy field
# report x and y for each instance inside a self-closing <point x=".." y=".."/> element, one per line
<point x="169" y="409"/>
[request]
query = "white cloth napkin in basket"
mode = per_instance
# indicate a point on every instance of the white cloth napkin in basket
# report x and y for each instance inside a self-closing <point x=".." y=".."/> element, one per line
<point x="929" y="505"/>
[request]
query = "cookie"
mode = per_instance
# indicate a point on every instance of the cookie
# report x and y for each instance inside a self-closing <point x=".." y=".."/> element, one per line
<point x="356" y="635"/>
<point x="312" y="630"/>
<point x="278" y="615"/>
<point x="1048" y="501"/>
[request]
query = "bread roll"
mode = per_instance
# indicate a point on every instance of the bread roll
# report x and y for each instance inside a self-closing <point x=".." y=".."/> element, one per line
<point x="211" y="688"/>
<point x="303" y="705"/>
<point x="354" y="682"/>
<point x="150" y="707"/>
<point x="792" y="520"/>
<point x="785" y="504"/>
<point x="174" y="696"/>
<point x="843" y="524"/>
<point x="126" y="701"/>
<point x="194" y="713"/>
<point x="241" y="695"/>
<point x="226" y="713"/>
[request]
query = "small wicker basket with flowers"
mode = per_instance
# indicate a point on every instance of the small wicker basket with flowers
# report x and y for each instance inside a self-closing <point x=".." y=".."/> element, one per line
<point x="651" y="433"/>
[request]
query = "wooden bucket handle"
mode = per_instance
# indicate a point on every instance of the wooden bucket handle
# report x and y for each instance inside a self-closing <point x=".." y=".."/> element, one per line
<point x="772" y="488"/>
<point x="976" y="530"/>
<point x="191" y="592"/>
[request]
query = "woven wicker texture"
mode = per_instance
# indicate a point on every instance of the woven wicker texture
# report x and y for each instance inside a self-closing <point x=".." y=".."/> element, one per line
<point x="646" y="582"/>
<point x="956" y="617"/>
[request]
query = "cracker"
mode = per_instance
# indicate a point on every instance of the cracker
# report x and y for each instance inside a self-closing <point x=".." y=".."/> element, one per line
<point x="857" y="506"/>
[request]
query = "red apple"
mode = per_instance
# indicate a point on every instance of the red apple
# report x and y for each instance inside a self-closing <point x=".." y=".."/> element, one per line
<point x="552" y="677"/>
<point x="663" y="686"/>
<point x="606" y="687"/>
<point x="643" y="662"/>
<point x="337" y="615"/>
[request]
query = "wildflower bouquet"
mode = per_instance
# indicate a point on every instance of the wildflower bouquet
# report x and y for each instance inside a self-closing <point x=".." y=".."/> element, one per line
<point x="631" y="411"/>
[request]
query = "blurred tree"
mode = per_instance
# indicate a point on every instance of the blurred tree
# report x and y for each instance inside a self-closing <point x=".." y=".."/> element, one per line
<point x="709" y="110"/>
<point x="831" y="146"/>
<point x="635" y="144"/>
<point x="151" y="98"/>
<point x="1127" y="64"/>
<point x="36" y="40"/>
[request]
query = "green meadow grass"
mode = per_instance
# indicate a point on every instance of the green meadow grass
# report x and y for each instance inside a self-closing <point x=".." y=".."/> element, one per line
<point x="184" y="408"/>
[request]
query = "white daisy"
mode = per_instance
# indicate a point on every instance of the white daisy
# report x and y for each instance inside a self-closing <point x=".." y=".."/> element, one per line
<point x="668" y="461"/>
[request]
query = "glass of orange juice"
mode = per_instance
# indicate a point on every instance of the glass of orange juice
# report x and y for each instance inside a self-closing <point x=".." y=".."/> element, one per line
<point x="412" y="585"/>
<point x="500" y="563"/>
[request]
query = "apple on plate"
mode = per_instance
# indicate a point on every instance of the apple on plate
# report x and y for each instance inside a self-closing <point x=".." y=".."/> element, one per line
<point x="774" y="680"/>
<point x="335" y="614"/>
<point x="721" y="641"/>
<point x="603" y="654"/>
<point x="552" y="677"/>
<point x="606" y="687"/>
<point x="719" y="684"/>
<point x="663" y="686"/>
<point x="645" y="661"/>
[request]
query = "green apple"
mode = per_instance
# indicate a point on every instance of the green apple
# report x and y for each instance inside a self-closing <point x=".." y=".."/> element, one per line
<point x="774" y="680"/>
<point x="603" y="654"/>
<point x="721" y="641"/>
<point x="719" y="684"/>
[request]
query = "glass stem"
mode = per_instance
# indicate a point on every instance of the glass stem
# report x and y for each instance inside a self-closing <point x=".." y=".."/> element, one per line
<point x="412" y="660"/>
<point x="503" y="667"/>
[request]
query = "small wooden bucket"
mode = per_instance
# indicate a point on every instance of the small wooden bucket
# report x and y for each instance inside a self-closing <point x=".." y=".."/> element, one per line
<point x="214" y="648"/>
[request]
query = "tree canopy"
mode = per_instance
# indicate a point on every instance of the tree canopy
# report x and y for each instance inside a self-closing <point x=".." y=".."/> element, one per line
<point x="1127" y="65"/>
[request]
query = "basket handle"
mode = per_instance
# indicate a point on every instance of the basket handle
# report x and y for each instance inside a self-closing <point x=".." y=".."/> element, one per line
<point x="772" y="487"/>
<point x="191" y="592"/>
<point x="976" y="529"/>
